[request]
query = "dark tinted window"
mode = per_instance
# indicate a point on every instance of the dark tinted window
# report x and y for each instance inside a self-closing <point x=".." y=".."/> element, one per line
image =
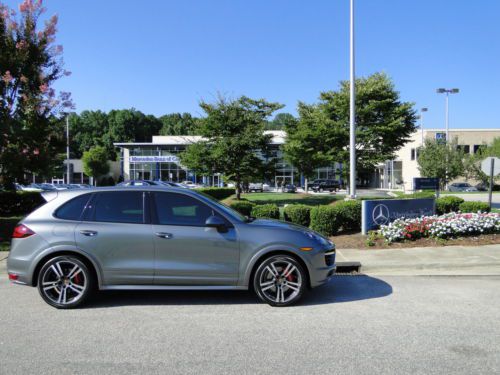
<point x="72" y="210"/>
<point x="119" y="207"/>
<point x="180" y="209"/>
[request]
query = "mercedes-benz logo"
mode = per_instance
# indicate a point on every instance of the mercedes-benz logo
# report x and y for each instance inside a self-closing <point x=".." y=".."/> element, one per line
<point x="380" y="214"/>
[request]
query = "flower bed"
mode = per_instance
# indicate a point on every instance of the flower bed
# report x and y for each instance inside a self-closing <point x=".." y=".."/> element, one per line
<point x="444" y="226"/>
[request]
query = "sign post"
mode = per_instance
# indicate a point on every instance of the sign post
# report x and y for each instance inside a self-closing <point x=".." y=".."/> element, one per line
<point x="491" y="166"/>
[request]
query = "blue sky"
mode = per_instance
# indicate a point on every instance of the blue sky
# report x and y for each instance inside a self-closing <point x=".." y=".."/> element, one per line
<point x="164" y="56"/>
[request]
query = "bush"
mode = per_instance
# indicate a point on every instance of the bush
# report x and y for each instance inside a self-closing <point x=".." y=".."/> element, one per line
<point x="19" y="203"/>
<point x="349" y="214"/>
<point x="216" y="192"/>
<point x="243" y="207"/>
<point x="106" y="181"/>
<point x="298" y="214"/>
<point x="474" y="207"/>
<point x="448" y="204"/>
<point x="268" y="211"/>
<point x="325" y="220"/>
<point x="419" y="195"/>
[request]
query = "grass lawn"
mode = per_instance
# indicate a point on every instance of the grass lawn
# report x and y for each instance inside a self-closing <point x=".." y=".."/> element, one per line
<point x="287" y="198"/>
<point x="7" y="225"/>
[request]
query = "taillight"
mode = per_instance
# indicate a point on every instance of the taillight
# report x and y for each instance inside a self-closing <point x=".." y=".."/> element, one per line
<point x="13" y="277"/>
<point x="22" y="231"/>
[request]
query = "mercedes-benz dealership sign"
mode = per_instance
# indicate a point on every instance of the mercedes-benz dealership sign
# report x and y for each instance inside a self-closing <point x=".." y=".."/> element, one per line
<point x="381" y="212"/>
<point x="154" y="159"/>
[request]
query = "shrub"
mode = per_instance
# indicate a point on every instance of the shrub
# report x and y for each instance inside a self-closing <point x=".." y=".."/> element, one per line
<point x="218" y="193"/>
<point x="325" y="220"/>
<point x="269" y="211"/>
<point x="474" y="207"/>
<point x="448" y="204"/>
<point x="420" y="194"/>
<point x="349" y="214"/>
<point x="298" y="214"/>
<point x="243" y="207"/>
<point x="21" y="203"/>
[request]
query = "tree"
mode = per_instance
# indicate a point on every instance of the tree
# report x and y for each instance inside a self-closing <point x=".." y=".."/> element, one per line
<point x="178" y="124"/>
<point x="383" y="122"/>
<point x="233" y="142"/>
<point x="30" y="63"/>
<point x="442" y="160"/>
<point x="95" y="162"/>
<point x="304" y="147"/>
<point x="281" y="121"/>
<point x="87" y="130"/>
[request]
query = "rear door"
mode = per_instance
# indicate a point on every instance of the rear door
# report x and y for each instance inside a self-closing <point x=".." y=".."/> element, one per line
<point x="116" y="230"/>
<point x="187" y="252"/>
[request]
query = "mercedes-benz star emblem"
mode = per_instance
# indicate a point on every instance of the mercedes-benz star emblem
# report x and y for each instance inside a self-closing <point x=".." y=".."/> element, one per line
<point x="380" y="214"/>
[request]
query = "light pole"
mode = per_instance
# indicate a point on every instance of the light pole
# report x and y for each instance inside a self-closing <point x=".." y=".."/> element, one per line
<point x="447" y="92"/>
<point x="67" y="150"/>
<point x="422" y="110"/>
<point x="352" y="111"/>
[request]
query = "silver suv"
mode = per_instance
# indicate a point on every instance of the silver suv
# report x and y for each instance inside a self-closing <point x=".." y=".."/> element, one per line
<point x="161" y="238"/>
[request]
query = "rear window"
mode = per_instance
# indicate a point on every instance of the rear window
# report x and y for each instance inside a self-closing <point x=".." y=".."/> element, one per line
<point x="73" y="209"/>
<point x="119" y="207"/>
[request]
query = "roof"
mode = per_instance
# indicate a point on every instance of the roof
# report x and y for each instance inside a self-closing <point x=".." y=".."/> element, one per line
<point x="181" y="140"/>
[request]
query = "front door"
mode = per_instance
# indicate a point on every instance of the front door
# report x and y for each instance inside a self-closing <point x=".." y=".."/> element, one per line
<point x="116" y="232"/>
<point x="187" y="252"/>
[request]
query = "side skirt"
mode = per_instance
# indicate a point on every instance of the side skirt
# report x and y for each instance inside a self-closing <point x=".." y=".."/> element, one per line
<point x="172" y="287"/>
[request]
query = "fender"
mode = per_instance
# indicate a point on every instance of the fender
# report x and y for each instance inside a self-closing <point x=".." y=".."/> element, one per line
<point x="70" y="249"/>
<point x="283" y="247"/>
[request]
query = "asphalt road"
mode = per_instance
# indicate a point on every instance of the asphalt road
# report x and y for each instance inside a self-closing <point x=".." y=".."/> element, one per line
<point x="481" y="197"/>
<point x="356" y="324"/>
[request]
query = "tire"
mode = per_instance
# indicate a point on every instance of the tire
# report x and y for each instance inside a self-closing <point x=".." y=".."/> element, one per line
<point x="284" y="290"/>
<point x="320" y="190"/>
<point x="65" y="282"/>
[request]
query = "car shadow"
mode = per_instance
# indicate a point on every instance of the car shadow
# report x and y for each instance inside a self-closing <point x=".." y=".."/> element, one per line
<point x="340" y="289"/>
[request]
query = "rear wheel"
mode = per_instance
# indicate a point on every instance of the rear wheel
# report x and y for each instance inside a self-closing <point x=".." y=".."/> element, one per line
<point x="280" y="280"/>
<point x="65" y="282"/>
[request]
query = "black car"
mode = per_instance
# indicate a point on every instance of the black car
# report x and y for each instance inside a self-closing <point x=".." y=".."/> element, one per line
<point x="325" y="185"/>
<point x="289" y="188"/>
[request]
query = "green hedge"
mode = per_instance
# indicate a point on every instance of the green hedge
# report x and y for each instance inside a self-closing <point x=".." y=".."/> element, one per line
<point x="419" y="195"/>
<point x="268" y="211"/>
<point x="474" y="207"/>
<point x="21" y="203"/>
<point x="448" y="204"/>
<point x="243" y="207"/>
<point x="349" y="214"/>
<point x="325" y="220"/>
<point x="298" y="214"/>
<point x="217" y="193"/>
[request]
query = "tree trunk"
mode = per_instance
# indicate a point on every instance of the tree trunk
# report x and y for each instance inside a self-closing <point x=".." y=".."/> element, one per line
<point x="306" y="185"/>
<point x="238" y="188"/>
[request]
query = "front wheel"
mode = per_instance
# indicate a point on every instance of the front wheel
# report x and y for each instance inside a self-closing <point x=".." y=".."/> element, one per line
<point x="65" y="282"/>
<point x="280" y="280"/>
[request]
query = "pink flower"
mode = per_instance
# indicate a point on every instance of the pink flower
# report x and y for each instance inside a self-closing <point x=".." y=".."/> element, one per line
<point x="7" y="77"/>
<point x="44" y="87"/>
<point x="24" y="79"/>
<point x="21" y="44"/>
<point x="58" y="49"/>
<point x="50" y="26"/>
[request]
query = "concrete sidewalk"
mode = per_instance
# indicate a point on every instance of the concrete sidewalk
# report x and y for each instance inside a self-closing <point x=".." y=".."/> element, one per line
<point x="446" y="260"/>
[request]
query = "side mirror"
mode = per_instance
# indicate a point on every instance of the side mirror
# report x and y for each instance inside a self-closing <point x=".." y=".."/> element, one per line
<point x="217" y="223"/>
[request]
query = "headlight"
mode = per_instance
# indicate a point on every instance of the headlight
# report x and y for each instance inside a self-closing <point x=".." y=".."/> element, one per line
<point x="318" y="238"/>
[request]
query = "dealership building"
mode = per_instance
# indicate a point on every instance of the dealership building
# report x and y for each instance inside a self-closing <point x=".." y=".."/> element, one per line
<point x="159" y="160"/>
<point x="399" y="172"/>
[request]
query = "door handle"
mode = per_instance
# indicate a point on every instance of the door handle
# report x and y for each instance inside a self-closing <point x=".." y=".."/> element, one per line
<point x="89" y="233"/>
<point x="164" y="235"/>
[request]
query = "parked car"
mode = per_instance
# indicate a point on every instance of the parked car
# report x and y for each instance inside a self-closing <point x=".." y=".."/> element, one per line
<point x="81" y="186"/>
<point x="325" y="185"/>
<point x="461" y="187"/>
<point x="138" y="183"/>
<point x="255" y="187"/>
<point x="161" y="238"/>
<point x="289" y="188"/>
<point x="266" y="187"/>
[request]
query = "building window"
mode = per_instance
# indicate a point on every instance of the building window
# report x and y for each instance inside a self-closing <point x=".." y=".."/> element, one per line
<point x="464" y="148"/>
<point x="413" y="154"/>
<point x="477" y="148"/>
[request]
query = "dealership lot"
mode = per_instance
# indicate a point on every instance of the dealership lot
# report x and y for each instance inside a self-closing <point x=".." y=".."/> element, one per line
<point x="356" y="324"/>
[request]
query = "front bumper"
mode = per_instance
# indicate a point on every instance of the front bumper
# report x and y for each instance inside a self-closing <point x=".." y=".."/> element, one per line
<point x="324" y="268"/>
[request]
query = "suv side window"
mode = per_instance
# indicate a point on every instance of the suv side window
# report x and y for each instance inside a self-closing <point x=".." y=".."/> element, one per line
<point x="73" y="209"/>
<point x="119" y="207"/>
<point x="180" y="209"/>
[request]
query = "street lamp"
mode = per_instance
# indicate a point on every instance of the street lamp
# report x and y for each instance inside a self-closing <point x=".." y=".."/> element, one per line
<point x="447" y="92"/>
<point x="422" y="110"/>
<point x="352" y="111"/>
